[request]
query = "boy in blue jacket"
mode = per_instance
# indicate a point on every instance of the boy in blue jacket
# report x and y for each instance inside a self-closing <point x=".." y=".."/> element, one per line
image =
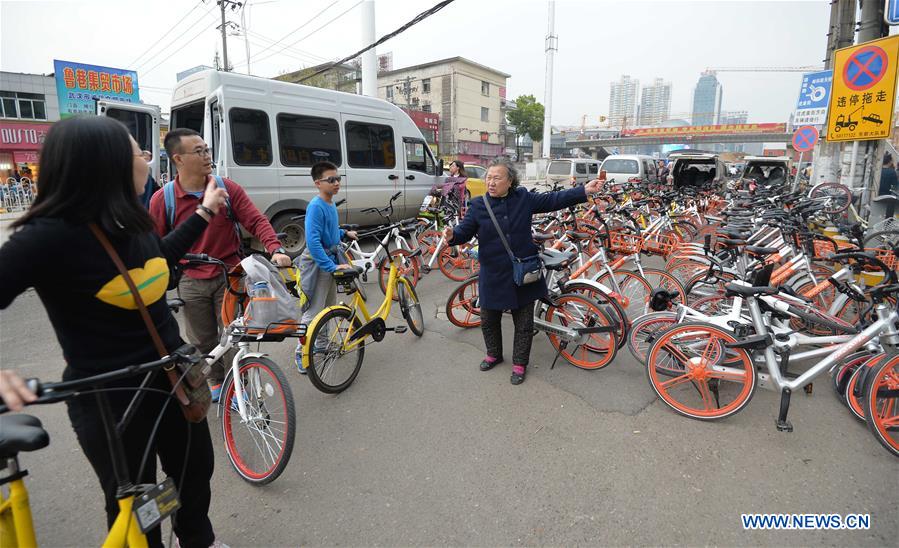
<point x="321" y="256"/>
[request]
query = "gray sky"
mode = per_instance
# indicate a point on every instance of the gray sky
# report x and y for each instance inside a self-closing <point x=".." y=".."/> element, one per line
<point x="598" y="42"/>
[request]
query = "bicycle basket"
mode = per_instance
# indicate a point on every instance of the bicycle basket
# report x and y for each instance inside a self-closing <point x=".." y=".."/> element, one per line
<point x="659" y="244"/>
<point x="275" y="314"/>
<point x="624" y="243"/>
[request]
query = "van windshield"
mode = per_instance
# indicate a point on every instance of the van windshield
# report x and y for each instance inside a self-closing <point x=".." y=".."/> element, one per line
<point x="618" y="165"/>
<point x="559" y="168"/>
<point x="189" y="116"/>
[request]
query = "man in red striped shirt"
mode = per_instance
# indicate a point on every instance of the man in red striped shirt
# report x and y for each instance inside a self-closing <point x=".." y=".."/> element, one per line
<point x="203" y="288"/>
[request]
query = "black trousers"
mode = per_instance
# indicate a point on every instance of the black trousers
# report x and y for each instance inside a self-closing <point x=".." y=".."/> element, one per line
<point x="491" y="327"/>
<point x="191" y="522"/>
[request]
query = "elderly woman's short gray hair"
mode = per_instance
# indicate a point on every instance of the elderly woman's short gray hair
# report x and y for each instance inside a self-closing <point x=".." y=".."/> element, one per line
<point x="510" y="169"/>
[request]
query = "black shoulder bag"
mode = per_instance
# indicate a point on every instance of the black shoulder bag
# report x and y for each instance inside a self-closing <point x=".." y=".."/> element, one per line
<point x="524" y="271"/>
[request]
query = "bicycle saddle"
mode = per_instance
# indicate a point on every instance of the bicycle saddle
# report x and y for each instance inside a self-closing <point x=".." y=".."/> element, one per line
<point x="731" y="243"/>
<point x="578" y="235"/>
<point x="541" y="237"/>
<point x="355" y="272"/>
<point x="761" y="251"/>
<point x="748" y="290"/>
<point x="21" y="433"/>
<point x="556" y="260"/>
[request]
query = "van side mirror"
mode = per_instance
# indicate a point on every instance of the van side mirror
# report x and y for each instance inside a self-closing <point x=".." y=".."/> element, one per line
<point x="440" y="166"/>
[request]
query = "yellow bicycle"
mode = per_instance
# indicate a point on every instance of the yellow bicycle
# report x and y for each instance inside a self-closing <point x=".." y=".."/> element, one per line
<point x="334" y="344"/>
<point x="141" y="507"/>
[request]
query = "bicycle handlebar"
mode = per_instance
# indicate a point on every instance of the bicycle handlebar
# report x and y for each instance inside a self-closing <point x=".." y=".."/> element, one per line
<point x="58" y="391"/>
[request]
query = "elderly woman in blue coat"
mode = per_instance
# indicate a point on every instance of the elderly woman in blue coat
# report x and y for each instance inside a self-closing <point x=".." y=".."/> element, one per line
<point x="513" y="207"/>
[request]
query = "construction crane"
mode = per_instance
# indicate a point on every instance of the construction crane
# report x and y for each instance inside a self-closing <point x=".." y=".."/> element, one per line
<point x="808" y="68"/>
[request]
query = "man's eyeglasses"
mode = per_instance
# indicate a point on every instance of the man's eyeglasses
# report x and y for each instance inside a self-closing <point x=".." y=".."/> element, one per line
<point x="332" y="179"/>
<point x="200" y="152"/>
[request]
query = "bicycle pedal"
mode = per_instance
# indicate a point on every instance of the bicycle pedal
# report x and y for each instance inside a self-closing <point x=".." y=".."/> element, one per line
<point x="425" y="269"/>
<point x="784" y="426"/>
<point x="400" y="329"/>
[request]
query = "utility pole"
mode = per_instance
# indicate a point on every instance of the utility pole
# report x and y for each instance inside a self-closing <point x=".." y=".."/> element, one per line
<point x="224" y="4"/>
<point x="552" y="44"/>
<point x="369" y="58"/>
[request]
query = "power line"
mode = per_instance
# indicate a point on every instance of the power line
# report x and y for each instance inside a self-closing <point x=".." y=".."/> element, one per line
<point x="341" y="14"/>
<point x="181" y="20"/>
<point x="263" y="40"/>
<point x="276" y="42"/>
<point x="169" y="45"/>
<point x="197" y="35"/>
<point x="415" y="20"/>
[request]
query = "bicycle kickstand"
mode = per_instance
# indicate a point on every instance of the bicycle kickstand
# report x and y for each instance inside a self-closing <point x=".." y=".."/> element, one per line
<point x="562" y="346"/>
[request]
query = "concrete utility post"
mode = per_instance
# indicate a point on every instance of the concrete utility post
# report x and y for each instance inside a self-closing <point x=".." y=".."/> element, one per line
<point x="369" y="58"/>
<point x="552" y="44"/>
<point x="224" y="28"/>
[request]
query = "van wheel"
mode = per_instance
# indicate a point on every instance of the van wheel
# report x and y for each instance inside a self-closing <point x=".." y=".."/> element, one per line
<point x="294" y="240"/>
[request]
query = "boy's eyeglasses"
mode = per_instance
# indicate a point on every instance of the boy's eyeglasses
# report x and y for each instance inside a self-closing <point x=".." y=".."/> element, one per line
<point x="332" y="179"/>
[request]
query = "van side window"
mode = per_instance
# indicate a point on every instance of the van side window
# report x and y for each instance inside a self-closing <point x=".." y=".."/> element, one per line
<point x="417" y="158"/>
<point x="580" y="169"/>
<point x="593" y="168"/>
<point x="305" y="140"/>
<point x="250" y="137"/>
<point x="370" y="145"/>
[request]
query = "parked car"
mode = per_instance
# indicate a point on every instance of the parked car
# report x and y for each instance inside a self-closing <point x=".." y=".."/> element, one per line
<point x="766" y="170"/>
<point x="630" y="168"/>
<point x="572" y="171"/>
<point x="266" y="135"/>
<point x="696" y="169"/>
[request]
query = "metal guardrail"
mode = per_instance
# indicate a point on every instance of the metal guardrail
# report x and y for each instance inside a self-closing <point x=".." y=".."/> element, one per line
<point x="16" y="195"/>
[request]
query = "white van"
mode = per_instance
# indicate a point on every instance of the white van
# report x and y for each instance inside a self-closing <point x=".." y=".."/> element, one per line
<point x="266" y="134"/>
<point x="635" y="168"/>
<point x="573" y="171"/>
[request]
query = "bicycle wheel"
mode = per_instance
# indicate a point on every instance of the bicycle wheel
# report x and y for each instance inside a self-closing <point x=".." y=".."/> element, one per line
<point x="661" y="279"/>
<point x="592" y="350"/>
<point x="645" y="330"/>
<point x="455" y="264"/>
<point x="882" y="404"/>
<point x="633" y="288"/>
<point x="686" y="368"/>
<point x="428" y="241"/>
<point x="333" y="362"/>
<point x="838" y="197"/>
<point x="410" y="306"/>
<point x="608" y="304"/>
<point x="855" y="388"/>
<point x="462" y="307"/>
<point x="408" y="267"/>
<point x="260" y="447"/>
<point x="883" y="238"/>
<point x="686" y="230"/>
<point x="843" y="373"/>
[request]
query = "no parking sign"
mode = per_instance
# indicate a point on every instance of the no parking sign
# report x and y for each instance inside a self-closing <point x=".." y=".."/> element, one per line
<point x="864" y="91"/>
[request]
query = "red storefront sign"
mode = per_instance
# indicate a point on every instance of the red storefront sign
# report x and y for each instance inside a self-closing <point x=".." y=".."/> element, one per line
<point x="424" y="120"/>
<point x="18" y="136"/>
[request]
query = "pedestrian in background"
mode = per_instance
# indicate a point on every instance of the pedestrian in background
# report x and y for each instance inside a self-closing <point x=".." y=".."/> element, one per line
<point x="150" y="186"/>
<point x="513" y="207"/>
<point x="889" y="183"/>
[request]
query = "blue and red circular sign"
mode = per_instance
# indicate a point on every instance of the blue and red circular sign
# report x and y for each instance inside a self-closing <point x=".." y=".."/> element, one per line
<point x="864" y="68"/>
<point x="805" y="138"/>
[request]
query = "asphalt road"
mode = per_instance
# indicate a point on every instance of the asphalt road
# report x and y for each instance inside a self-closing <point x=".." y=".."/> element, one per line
<point x="424" y="449"/>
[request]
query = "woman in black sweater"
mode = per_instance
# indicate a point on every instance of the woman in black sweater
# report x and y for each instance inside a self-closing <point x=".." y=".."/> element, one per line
<point x="94" y="314"/>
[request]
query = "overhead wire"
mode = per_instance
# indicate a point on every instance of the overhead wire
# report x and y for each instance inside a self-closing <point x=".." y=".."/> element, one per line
<point x="414" y="21"/>
<point x="308" y="21"/>
<point x="194" y="37"/>
<point x="263" y="40"/>
<point x="161" y="38"/>
<point x="175" y="40"/>
<point x="341" y="14"/>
